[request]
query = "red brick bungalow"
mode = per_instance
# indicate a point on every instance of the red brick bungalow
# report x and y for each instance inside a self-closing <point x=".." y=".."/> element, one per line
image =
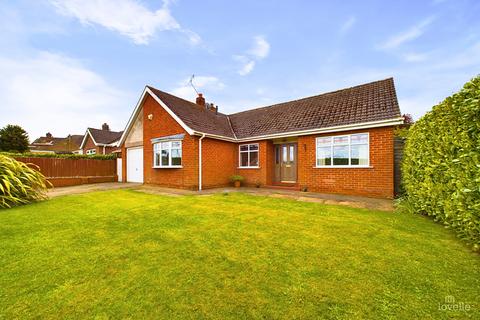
<point x="337" y="142"/>
<point x="100" y="141"/>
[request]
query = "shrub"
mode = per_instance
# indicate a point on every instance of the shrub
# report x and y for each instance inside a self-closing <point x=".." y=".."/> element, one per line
<point x="13" y="138"/>
<point x="441" y="166"/>
<point x="19" y="183"/>
<point x="237" y="178"/>
<point x="61" y="156"/>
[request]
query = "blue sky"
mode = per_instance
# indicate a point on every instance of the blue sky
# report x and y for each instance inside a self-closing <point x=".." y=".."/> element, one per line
<point x="68" y="65"/>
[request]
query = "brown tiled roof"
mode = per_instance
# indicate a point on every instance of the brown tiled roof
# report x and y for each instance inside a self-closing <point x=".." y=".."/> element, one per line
<point x="105" y="136"/>
<point x="194" y="116"/>
<point x="56" y="144"/>
<point x="364" y="103"/>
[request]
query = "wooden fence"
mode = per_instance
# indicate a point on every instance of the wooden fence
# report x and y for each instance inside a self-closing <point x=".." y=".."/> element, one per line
<point x="68" y="172"/>
<point x="399" y="144"/>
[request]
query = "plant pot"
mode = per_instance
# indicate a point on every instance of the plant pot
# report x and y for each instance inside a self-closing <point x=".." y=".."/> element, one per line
<point x="237" y="184"/>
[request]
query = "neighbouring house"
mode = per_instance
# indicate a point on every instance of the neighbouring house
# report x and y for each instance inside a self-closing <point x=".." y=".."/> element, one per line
<point x="337" y="142"/>
<point x="51" y="144"/>
<point x="100" y="141"/>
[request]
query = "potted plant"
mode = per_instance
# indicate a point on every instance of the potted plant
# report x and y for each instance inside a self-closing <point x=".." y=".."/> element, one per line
<point x="237" y="180"/>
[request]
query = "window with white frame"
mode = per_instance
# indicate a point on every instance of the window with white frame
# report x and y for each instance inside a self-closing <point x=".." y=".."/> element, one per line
<point x="345" y="150"/>
<point x="248" y="155"/>
<point x="91" y="151"/>
<point x="167" y="154"/>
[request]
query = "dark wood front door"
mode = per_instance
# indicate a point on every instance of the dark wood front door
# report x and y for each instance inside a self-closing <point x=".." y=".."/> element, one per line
<point x="286" y="162"/>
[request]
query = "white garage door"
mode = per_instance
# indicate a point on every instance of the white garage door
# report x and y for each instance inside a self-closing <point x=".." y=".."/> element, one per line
<point x="135" y="165"/>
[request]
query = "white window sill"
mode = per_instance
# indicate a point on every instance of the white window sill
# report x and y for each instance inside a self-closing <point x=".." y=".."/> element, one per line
<point x="343" y="167"/>
<point x="248" y="167"/>
<point x="167" y="167"/>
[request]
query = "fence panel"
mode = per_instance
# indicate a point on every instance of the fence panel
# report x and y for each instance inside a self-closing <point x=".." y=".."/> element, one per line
<point x="67" y="172"/>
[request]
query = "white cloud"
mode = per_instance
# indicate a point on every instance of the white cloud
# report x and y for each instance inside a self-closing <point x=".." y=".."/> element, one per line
<point x="247" y="64"/>
<point x="411" y="34"/>
<point x="415" y="57"/>
<point x="348" y="24"/>
<point x="259" y="50"/>
<point x="128" y="17"/>
<point x="202" y="83"/>
<point x="52" y="92"/>
<point x="247" y="68"/>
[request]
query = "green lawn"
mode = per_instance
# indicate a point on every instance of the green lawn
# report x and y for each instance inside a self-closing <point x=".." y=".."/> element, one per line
<point x="126" y="254"/>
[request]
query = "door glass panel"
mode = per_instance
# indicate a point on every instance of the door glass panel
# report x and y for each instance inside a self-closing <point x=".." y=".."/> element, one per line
<point x="284" y="151"/>
<point x="292" y="153"/>
<point x="277" y="155"/>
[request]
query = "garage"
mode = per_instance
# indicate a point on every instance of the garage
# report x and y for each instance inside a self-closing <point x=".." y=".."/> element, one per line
<point x="135" y="164"/>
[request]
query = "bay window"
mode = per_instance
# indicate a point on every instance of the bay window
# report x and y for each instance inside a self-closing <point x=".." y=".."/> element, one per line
<point x="167" y="154"/>
<point x="343" y="151"/>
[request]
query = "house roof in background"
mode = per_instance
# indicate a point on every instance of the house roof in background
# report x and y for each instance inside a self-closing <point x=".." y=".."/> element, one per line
<point x="105" y="136"/>
<point x="57" y="144"/>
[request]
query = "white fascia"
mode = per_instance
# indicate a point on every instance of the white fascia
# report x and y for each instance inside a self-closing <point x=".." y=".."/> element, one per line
<point x="134" y="115"/>
<point x="87" y="133"/>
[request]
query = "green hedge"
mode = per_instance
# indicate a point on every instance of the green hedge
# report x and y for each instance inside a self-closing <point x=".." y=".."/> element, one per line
<point x="441" y="166"/>
<point x="61" y="156"/>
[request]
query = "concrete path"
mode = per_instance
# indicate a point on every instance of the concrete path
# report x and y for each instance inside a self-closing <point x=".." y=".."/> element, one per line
<point x="84" y="188"/>
<point x="351" y="201"/>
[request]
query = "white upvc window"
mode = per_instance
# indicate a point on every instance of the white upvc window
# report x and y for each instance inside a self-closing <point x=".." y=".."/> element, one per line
<point x="91" y="151"/>
<point x="248" y="155"/>
<point x="351" y="150"/>
<point x="167" y="154"/>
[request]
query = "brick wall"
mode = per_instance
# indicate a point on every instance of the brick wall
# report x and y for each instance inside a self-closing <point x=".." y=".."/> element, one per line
<point x="90" y="145"/>
<point x="218" y="162"/>
<point x="376" y="181"/>
<point x="162" y="124"/>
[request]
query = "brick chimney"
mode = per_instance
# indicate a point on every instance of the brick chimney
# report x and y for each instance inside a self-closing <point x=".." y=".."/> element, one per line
<point x="200" y="100"/>
<point x="211" y="107"/>
<point x="105" y="127"/>
<point x="49" y="136"/>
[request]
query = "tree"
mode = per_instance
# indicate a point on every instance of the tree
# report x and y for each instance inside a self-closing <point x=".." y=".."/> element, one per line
<point x="13" y="138"/>
<point x="408" y="119"/>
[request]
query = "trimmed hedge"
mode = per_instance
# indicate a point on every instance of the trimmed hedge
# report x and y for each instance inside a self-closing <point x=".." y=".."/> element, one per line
<point x="441" y="166"/>
<point x="61" y="156"/>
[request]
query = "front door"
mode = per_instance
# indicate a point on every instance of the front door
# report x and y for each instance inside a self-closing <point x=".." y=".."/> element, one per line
<point x="288" y="162"/>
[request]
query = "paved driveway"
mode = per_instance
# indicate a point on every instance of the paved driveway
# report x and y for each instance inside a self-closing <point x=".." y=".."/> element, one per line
<point x="336" y="199"/>
<point x="84" y="188"/>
